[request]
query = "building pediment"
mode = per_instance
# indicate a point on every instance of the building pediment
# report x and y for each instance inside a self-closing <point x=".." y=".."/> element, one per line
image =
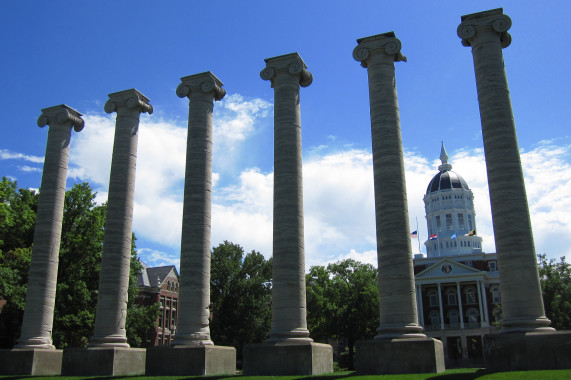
<point x="447" y="268"/>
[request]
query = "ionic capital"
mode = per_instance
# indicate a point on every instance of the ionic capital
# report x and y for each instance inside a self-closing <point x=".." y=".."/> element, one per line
<point x="385" y="43"/>
<point x="290" y="63"/>
<point x="60" y="115"/>
<point x="130" y="99"/>
<point x="205" y="82"/>
<point x="493" y="20"/>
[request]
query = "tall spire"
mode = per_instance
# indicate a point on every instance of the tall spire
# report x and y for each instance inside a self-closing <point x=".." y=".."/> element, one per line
<point x="444" y="158"/>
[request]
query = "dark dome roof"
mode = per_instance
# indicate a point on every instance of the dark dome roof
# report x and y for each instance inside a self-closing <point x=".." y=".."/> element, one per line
<point x="445" y="180"/>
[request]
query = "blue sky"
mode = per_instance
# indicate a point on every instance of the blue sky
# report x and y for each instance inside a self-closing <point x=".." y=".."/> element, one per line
<point x="77" y="52"/>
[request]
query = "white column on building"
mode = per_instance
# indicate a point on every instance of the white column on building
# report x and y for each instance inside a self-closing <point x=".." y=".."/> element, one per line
<point x="485" y="304"/>
<point x="440" y="306"/>
<point x="460" y="309"/>
<point x="480" y="301"/>
<point x="420" y="305"/>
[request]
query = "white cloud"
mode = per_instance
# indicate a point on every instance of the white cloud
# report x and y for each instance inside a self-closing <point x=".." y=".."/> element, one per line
<point x="155" y="258"/>
<point x="5" y="154"/>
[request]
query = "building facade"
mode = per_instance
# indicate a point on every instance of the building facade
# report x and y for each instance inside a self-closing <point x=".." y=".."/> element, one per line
<point x="160" y="285"/>
<point x="457" y="285"/>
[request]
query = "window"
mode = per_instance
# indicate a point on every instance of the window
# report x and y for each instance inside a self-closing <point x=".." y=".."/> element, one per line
<point x="470" y="222"/>
<point x="496" y="295"/>
<point x="470" y="295"/>
<point x="449" y="225"/>
<point x="433" y="298"/>
<point x="468" y="263"/>
<point x="451" y="296"/>
<point x="492" y="266"/>
<point x="435" y="319"/>
<point x="473" y="317"/>
<point x="461" y="221"/>
<point x="453" y="318"/>
<point x="438" y="223"/>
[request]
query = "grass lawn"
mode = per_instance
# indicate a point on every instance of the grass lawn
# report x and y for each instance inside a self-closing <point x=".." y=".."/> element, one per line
<point x="451" y="374"/>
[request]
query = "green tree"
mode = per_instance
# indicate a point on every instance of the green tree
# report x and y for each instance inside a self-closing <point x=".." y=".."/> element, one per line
<point x="343" y="303"/>
<point x="78" y="270"/>
<point x="240" y="293"/>
<point x="17" y="218"/>
<point x="555" y="280"/>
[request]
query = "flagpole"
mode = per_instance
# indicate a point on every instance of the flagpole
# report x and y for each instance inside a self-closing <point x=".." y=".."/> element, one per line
<point x="418" y="234"/>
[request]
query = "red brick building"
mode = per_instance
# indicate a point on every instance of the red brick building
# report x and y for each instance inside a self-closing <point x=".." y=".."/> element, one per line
<point x="160" y="285"/>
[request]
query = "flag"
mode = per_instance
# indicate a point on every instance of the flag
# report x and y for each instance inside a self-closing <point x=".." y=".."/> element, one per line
<point x="433" y="237"/>
<point x="472" y="233"/>
<point x="414" y="234"/>
<point x="453" y="236"/>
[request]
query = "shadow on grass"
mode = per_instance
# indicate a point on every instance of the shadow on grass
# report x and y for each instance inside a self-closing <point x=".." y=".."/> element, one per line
<point x="462" y="376"/>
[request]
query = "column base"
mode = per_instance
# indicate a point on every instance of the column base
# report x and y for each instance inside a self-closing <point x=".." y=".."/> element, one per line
<point x="394" y="356"/>
<point x="287" y="358"/>
<point x="528" y="351"/>
<point x="31" y="362"/>
<point x="191" y="361"/>
<point x="106" y="361"/>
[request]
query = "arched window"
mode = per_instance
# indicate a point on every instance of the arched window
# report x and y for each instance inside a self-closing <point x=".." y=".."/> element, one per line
<point x="453" y="318"/>
<point x="470" y="293"/>
<point x="496" y="295"/>
<point x="473" y="317"/>
<point x="451" y="296"/>
<point x="433" y="297"/>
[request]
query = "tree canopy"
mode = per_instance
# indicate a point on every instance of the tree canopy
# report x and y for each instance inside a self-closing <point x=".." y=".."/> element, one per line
<point x="555" y="278"/>
<point x="78" y="270"/>
<point x="240" y="296"/>
<point x="343" y="303"/>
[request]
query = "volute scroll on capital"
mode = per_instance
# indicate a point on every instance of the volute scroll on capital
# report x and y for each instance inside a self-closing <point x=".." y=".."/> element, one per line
<point x="385" y="43"/>
<point x="60" y="115"/>
<point x="292" y="63"/>
<point x="130" y="99"/>
<point x="493" y="19"/>
<point x="205" y="82"/>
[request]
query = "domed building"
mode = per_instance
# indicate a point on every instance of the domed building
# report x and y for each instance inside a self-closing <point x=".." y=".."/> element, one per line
<point x="450" y="215"/>
<point x="457" y="285"/>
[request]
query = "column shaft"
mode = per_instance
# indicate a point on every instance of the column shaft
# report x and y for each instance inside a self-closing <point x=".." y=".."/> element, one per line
<point x="111" y="310"/>
<point x="396" y="275"/>
<point x="42" y="278"/>
<point x="194" y="299"/>
<point x="289" y="313"/>
<point x="522" y="304"/>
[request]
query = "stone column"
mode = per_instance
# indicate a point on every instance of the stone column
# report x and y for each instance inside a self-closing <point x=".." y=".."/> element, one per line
<point x="287" y="73"/>
<point x="35" y="355"/>
<point x="460" y="308"/>
<point x="532" y="344"/>
<point x="42" y="279"/>
<point x="109" y="353"/>
<point x="194" y="299"/>
<point x="115" y="264"/>
<point x="194" y="353"/>
<point x="289" y="350"/>
<point x="522" y="303"/>
<point x="396" y="276"/>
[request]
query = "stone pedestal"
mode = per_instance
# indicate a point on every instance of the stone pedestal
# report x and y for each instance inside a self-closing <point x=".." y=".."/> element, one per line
<point x="393" y="356"/>
<point x="191" y="361"/>
<point x="106" y="361"/>
<point x="528" y="351"/>
<point x="287" y="358"/>
<point x="33" y="362"/>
